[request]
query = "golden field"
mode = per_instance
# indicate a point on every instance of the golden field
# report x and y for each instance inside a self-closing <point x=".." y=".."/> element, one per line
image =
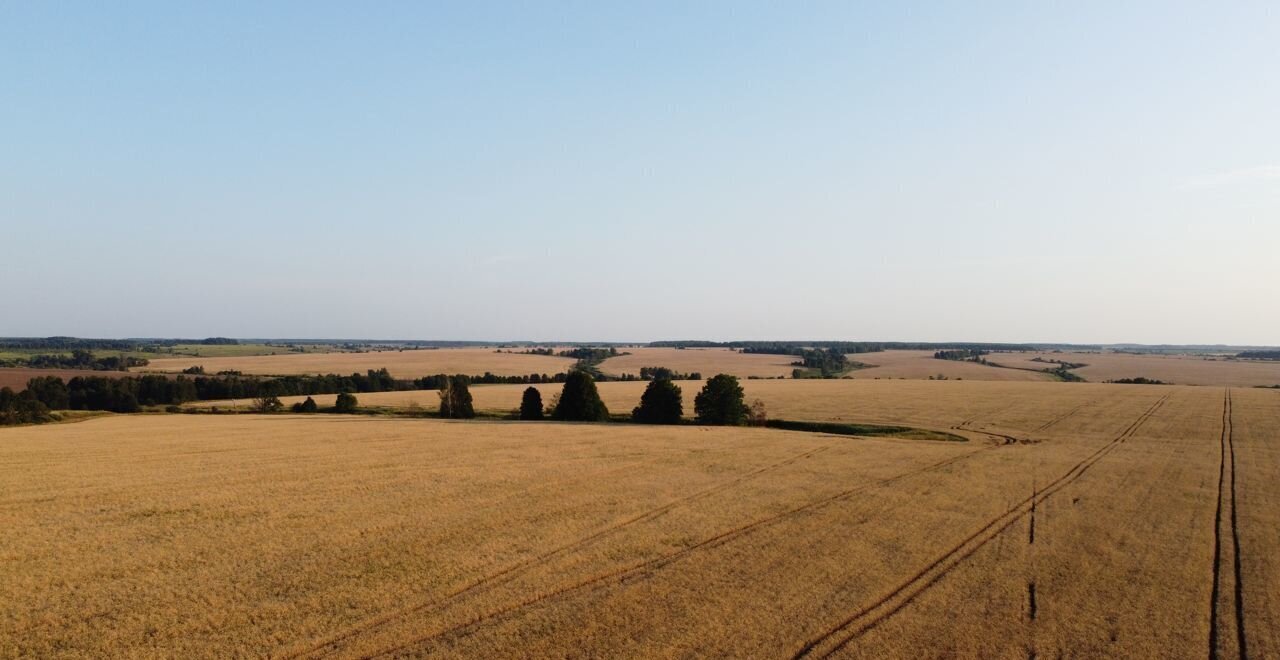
<point x="1177" y="369"/>
<point x="922" y="365"/>
<point x="401" y="364"/>
<point x="706" y="361"/>
<point x="1081" y="520"/>
<point x="911" y="365"/>
<point x="931" y="404"/>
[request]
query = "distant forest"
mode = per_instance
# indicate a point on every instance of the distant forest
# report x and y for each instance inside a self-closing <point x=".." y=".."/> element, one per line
<point x="1259" y="355"/>
<point x="74" y="343"/>
<point x="81" y="359"/>
<point x="131" y="393"/>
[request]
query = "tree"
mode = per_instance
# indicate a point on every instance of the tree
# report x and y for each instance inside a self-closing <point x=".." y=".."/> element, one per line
<point x="757" y="415"/>
<point x="346" y="403"/>
<point x="267" y="404"/>
<point x="721" y="402"/>
<point x="579" y="400"/>
<point x="531" y="404"/>
<point x="661" y="403"/>
<point x="455" y="398"/>
<point x="21" y="408"/>
<point x="308" y="406"/>
<point x="51" y="391"/>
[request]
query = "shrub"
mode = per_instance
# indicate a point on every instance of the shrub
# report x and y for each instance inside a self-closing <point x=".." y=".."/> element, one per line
<point x="579" y="400"/>
<point x="531" y="404"/>
<point x="455" y="398"/>
<point x="346" y="403"/>
<point x="757" y="415"/>
<point x="267" y="404"/>
<point x="661" y="403"/>
<point x="721" y="402"/>
<point x="308" y="406"/>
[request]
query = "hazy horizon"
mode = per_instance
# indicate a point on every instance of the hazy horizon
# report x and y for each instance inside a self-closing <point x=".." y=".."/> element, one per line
<point x="1088" y="173"/>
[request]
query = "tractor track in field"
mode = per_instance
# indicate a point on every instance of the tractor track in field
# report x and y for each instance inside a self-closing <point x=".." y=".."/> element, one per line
<point x="1063" y="417"/>
<point x="622" y="574"/>
<point x="518" y="568"/>
<point x="869" y="616"/>
<point x="1226" y="497"/>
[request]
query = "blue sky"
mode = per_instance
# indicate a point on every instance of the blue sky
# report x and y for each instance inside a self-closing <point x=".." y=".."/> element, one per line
<point x="1088" y="172"/>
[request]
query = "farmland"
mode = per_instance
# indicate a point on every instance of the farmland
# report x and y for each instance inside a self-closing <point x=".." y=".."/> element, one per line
<point x="1079" y="520"/>
<point x="1179" y="369"/>
<point x="931" y="404"/>
<point x="17" y="377"/>
<point x="401" y="364"/>
<point x="922" y="365"/>
<point x="707" y="361"/>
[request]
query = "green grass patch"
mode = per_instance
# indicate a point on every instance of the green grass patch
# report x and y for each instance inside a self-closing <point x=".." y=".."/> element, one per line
<point x="865" y="430"/>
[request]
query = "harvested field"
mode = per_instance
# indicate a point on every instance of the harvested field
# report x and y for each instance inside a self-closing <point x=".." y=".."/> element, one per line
<point x="707" y="361"/>
<point x="920" y="365"/>
<point x="401" y="364"/>
<point x="1113" y="521"/>
<point x="1178" y="369"/>
<point x="17" y="377"/>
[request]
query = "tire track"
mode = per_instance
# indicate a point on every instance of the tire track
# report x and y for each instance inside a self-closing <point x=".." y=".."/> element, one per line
<point x="518" y="568"/>
<point x="864" y="619"/>
<point x="1063" y="417"/>
<point x="1226" y="499"/>
<point x="1241" y="639"/>
<point x="620" y="575"/>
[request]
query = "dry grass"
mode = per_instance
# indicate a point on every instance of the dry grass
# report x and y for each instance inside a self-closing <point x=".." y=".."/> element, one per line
<point x="401" y="364"/>
<point x="1180" y="369"/>
<point x="317" y="536"/>
<point x="707" y="361"/>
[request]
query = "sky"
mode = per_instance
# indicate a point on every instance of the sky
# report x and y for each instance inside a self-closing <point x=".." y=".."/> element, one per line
<point x="1088" y="172"/>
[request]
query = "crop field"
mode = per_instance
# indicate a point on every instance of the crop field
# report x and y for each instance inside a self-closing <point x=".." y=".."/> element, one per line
<point x="922" y="365"/>
<point x="401" y="364"/>
<point x="1178" y="369"/>
<point x="1079" y="520"/>
<point x="707" y="361"/>
<point x="928" y="404"/>
<point x="17" y="377"/>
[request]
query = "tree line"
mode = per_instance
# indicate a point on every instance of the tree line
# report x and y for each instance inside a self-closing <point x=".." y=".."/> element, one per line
<point x="22" y="408"/>
<point x="962" y="355"/>
<point x="720" y="402"/>
<point x="661" y="373"/>
<point x="1259" y="355"/>
<point x="83" y="359"/>
<point x="129" y="394"/>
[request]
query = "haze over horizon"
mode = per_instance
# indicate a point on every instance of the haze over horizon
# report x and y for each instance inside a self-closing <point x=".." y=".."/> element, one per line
<point x="1089" y="174"/>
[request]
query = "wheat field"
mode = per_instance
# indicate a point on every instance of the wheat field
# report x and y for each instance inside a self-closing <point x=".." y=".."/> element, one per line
<point x="932" y="404"/>
<point x="1078" y="521"/>
<point x="401" y="364"/>
<point x="706" y="361"/>
<point x="922" y="365"/>
<point x="895" y="364"/>
<point x="1177" y="369"/>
